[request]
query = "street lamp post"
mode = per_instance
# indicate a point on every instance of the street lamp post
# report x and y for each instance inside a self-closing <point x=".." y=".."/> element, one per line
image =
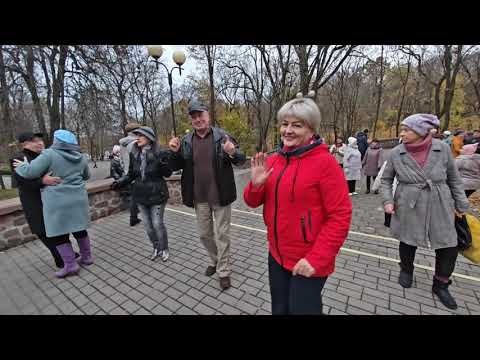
<point x="156" y="51"/>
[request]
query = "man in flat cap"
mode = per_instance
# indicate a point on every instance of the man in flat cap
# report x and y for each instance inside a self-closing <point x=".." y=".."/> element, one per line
<point x="206" y="155"/>
<point x="29" y="190"/>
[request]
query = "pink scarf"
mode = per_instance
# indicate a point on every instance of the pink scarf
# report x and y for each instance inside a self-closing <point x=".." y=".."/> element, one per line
<point x="419" y="151"/>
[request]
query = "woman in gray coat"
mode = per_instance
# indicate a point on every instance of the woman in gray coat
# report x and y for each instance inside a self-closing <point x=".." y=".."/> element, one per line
<point x="65" y="206"/>
<point x="468" y="164"/>
<point x="428" y="196"/>
<point x="372" y="162"/>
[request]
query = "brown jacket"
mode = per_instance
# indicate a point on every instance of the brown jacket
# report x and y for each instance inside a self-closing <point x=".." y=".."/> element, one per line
<point x="457" y="144"/>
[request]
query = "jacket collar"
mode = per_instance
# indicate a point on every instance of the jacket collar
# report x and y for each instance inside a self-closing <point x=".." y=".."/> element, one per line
<point x="217" y="135"/>
<point x="30" y="153"/>
<point x="301" y="150"/>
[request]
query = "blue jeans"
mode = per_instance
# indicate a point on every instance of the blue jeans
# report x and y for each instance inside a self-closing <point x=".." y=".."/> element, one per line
<point x="294" y="295"/>
<point x="152" y="217"/>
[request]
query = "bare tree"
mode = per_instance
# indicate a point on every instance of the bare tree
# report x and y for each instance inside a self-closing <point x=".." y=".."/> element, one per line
<point x="471" y="67"/>
<point x="6" y="123"/>
<point x="320" y="63"/>
<point x="380" y="81"/>
<point x="439" y="65"/>
<point x="208" y="53"/>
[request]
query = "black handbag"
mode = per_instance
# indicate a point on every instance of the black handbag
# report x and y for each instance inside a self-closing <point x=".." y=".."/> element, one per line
<point x="464" y="235"/>
<point x="388" y="218"/>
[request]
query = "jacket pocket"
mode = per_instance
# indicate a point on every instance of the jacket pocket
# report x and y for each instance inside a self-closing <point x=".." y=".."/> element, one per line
<point x="304" y="230"/>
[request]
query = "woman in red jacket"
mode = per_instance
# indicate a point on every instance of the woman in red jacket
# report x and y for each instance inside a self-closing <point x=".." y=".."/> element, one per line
<point x="306" y="208"/>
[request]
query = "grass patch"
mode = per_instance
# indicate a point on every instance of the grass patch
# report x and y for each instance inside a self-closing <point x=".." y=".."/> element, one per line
<point x="8" y="194"/>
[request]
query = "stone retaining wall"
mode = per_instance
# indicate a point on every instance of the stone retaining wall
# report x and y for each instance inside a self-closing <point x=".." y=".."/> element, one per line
<point x="103" y="201"/>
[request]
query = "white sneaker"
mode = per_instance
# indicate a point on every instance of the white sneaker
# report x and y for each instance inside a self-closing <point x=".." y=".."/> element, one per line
<point x="165" y="255"/>
<point x="354" y="193"/>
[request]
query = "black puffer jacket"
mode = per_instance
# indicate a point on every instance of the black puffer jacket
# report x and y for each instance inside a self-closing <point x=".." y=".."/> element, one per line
<point x="362" y="143"/>
<point x="222" y="166"/>
<point x="29" y="192"/>
<point x="152" y="190"/>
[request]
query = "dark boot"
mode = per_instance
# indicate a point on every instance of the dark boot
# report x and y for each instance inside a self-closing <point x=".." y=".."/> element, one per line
<point x="86" y="255"/>
<point x="405" y="279"/>
<point x="71" y="267"/>
<point x="210" y="270"/>
<point x="225" y="282"/>
<point x="135" y="221"/>
<point x="440" y="289"/>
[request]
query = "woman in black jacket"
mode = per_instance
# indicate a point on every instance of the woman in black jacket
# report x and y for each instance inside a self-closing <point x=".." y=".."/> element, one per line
<point x="147" y="170"/>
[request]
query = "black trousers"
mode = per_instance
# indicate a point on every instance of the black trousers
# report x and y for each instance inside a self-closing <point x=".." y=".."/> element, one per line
<point x="469" y="192"/>
<point x="294" y="295"/>
<point x="444" y="259"/>
<point x="133" y="208"/>
<point x="65" y="238"/>
<point x="368" y="181"/>
<point x="49" y="244"/>
<point x="351" y="185"/>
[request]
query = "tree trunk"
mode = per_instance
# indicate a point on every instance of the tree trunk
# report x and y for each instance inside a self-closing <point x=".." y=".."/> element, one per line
<point x="380" y="91"/>
<point x="7" y="123"/>
<point x="400" y="108"/>
<point x="210" y="54"/>
<point x="303" y="68"/>
<point x="29" y="78"/>
<point x="123" y="112"/>
<point x="450" y="81"/>
<point x="57" y="89"/>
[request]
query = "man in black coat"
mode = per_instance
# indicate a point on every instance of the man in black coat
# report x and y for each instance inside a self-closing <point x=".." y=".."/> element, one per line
<point x="29" y="190"/>
<point x="362" y="142"/>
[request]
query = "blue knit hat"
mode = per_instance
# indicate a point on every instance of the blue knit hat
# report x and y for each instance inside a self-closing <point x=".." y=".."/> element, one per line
<point x="65" y="136"/>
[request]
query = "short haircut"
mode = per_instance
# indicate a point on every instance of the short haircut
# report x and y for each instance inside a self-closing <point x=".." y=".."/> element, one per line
<point x="303" y="109"/>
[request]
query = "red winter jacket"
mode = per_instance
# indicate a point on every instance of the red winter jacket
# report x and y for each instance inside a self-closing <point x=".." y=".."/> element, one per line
<point x="306" y="207"/>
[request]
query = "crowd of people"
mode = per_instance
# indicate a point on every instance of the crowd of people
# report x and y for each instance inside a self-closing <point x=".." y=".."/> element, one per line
<point x="304" y="190"/>
<point x="360" y="157"/>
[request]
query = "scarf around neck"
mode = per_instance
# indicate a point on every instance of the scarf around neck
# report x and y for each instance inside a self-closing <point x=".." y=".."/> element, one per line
<point x="143" y="159"/>
<point x="419" y="151"/>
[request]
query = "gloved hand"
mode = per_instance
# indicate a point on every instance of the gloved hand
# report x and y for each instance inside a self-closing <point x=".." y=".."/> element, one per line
<point x="114" y="185"/>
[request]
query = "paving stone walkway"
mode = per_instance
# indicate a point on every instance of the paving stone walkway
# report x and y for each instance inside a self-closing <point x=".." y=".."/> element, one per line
<point x="124" y="281"/>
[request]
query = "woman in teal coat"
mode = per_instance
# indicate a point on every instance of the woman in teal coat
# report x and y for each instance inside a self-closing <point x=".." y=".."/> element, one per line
<point x="65" y="206"/>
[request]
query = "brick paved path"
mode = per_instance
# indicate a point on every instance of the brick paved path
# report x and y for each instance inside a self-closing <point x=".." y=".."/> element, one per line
<point x="124" y="281"/>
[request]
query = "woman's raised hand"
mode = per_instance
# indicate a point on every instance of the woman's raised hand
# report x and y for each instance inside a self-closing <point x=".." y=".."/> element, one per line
<point x="259" y="173"/>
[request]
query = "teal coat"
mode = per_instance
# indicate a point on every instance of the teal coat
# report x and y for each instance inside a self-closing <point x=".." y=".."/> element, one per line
<point x="65" y="206"/>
